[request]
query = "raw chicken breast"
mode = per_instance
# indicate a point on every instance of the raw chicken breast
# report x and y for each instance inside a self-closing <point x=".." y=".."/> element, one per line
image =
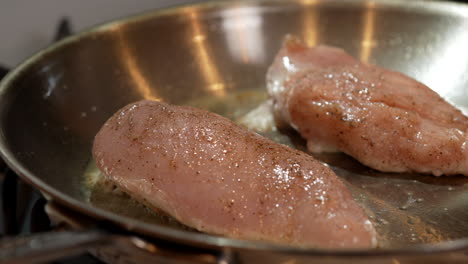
<point x="382" y="118"/>
<point x="215" y="176"/>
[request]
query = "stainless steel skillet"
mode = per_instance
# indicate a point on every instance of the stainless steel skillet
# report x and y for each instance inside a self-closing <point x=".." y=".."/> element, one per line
<point x="215" y="55"/>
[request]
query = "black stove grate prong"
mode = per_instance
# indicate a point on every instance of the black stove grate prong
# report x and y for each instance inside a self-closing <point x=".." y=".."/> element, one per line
<point x="64" y="29"/>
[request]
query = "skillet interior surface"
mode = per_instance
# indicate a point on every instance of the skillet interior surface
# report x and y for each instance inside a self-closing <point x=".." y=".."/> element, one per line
<point x="215" y="56"/>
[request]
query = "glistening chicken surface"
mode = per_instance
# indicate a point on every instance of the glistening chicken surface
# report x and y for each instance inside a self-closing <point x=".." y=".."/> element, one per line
<point x="220" y="178"/>
<point x="384" y="119"/>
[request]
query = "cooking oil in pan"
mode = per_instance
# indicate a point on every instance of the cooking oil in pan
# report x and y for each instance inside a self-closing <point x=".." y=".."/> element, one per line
<point x="104" y="194"/>
<point x="405" y="208"/>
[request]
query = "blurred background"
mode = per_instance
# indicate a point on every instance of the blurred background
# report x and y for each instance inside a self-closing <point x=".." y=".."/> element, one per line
<point x="27" y="25"/>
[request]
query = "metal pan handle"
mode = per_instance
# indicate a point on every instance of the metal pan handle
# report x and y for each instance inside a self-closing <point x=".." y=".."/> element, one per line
<point x="101" y="240"/>
<point x="44" y="247"/>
